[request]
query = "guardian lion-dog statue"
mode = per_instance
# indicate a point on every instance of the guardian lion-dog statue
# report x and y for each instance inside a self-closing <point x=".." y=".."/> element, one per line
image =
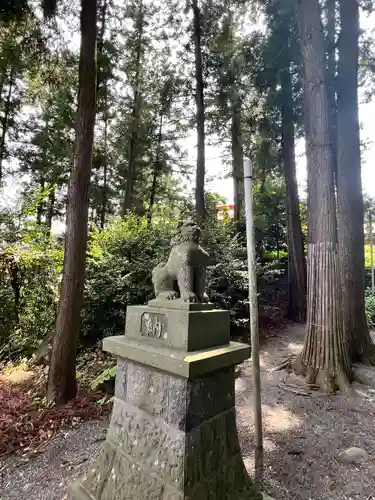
<point x="184" y="275"/>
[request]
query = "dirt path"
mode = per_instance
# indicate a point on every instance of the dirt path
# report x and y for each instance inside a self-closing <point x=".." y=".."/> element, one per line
<point x="47" y="476"/>
<point x="302" y="437"/>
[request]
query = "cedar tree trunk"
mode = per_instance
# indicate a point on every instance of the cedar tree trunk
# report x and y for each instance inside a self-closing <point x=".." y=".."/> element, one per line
<point x="40" y="207"/>
<point x="135" y="120"/>
<point x="50" y="209"/>
<point x="237" y="158"/>
<point x="200" y="114"/>
<point x="103" y="209"/>
<point x="157" y="168"/>
<point x="349" y="189"/>
<point x="331" y="74"/>
<point x="5" y="120"/>
<point x="62" y="385"/>
<point x="324" y="359"/>
<point x="296" y="257"/>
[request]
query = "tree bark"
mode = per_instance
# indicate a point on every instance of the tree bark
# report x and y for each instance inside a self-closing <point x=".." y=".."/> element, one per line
<point x="131" y="172"/>
<point x="100" y="43"/>
<point x="325" y="356"/>
<point x="237" y="158"/>
<point x="62" y="385"/>
<point x="200" y="115"/>
<point x="296" y="257"/>
<point x="331" y="75"/>
<point x="2" y="80"/>
<point x="50" y="210"/>
<point x="349" y="188"/>
<point x="5" y="120"/>
<point x="103" y="210"/>
<point x="40" y="207"/>
<point x="157" y="165"/>
<point x="100" y="79"/>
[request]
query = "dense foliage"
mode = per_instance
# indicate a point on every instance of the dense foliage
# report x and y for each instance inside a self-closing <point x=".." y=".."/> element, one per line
<point x="370" y="308"/>
<point x="118" y="274"/>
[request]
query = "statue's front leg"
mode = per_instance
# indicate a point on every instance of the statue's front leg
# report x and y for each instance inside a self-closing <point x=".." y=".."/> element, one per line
<point x="185" y="280"/>
<point x="200" y="284"/>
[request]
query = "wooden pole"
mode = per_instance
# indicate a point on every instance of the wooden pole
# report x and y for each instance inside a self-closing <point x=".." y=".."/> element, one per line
<point x="254" y="330"/>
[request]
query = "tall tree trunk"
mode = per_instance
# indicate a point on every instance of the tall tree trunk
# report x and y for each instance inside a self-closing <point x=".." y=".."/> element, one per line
<point x="5" y="120"/>
<point x="91" y="218"/>
<point x="100" y="43"/>
<point x="2" y="81"/>
<point x="131" y="172"/>
<point x="103" y="209"/>
<point x="325" y="356"/>
<point x="296" y="257"/>
<point x="51" y="208"/>
<point x="157" y="167"/>
<point x="62" y="385"/>
<point x="100" y="78"/>
<point x="331" y="75"/>
<point x="40" y="207"/>
<point x="349" y="188"/>
<point x="200" y="115"/>
<point x="237" y="158"/>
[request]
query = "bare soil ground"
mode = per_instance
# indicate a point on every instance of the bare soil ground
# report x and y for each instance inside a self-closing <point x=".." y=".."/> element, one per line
<point x="47" y="476"/>
<point x="303" y="435"/>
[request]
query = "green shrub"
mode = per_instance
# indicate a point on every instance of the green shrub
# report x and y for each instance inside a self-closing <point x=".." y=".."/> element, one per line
<point x="370" y="309"/>
<point x="227" y="276"/>
<point x="368" y="256"/>
<point x="118" y="273"/>
<point x="272" y="255"/>
<point x="107" y="375"/>
<point x="32" y="269"/>
<point x="120" y="261"/>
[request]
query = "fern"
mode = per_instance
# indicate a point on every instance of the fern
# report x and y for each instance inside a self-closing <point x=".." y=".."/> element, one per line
<point x="104" y="376"/>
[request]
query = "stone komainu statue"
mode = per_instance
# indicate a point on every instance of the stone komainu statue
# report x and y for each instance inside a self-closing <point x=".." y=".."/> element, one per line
<point x="184" y="275"/>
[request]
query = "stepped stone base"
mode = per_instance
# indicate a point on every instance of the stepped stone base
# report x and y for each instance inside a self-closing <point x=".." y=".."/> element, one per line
<point x="170" y="438"/>
<point x="172" y="434"/>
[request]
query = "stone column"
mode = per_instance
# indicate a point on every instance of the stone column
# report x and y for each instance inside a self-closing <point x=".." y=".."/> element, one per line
<point x="173" y="432"/>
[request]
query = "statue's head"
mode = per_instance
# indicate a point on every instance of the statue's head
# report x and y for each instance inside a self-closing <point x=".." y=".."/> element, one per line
<point x="187" y="231"/>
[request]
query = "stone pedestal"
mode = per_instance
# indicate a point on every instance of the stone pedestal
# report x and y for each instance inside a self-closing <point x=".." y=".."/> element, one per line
<point x="173" y="431"/>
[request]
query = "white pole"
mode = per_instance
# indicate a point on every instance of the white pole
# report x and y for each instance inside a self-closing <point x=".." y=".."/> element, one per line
<point x="254" y="331"/>
<point x="372" y="255"/>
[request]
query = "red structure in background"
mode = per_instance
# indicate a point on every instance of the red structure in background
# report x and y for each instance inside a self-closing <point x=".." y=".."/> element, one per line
<point x="225" y="211"/>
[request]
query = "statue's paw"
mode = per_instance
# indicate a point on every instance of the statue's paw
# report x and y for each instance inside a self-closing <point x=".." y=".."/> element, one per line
<point x="190" y="297"/>
<point x="171" y="295"/>
<point x="204" y="298"/>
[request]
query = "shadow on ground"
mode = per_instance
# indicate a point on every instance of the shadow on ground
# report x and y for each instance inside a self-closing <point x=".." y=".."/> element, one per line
<point x="304" y="434"/>
<point x="302" y="438"/>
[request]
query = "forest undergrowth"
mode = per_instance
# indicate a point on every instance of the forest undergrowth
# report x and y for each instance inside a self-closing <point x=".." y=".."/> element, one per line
<point x="28" y="422"/>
